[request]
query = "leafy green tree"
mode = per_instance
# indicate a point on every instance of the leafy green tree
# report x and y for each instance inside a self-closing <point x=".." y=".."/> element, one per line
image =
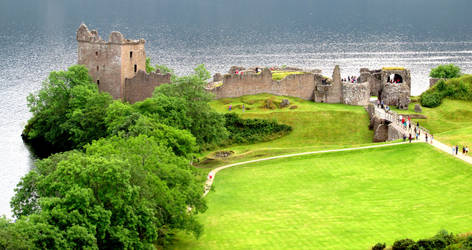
<point x="168" y="110"/>
<point x="12" y="236"/>
<point x="162" y="69"/>
<point x="123" y="192"/>
<point x="207" y="125"/>
<point x="68" y="111"/>
<point x="445" y="71"/>
<point x="149" y="67"/>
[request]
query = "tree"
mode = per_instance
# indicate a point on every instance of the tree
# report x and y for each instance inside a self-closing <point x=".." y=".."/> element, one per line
<point x="207" y="125"/>
<point x="68" y="111"/>
<point x="121" y="193"/>
<point x="162" y="69"/>
<point x="445" y="71"/>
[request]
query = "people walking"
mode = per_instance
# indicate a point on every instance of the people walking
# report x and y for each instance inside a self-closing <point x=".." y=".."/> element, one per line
<point x="457" y="149"/>
<point x="426" y="137"/>
<point x="410" y="138"/>
<point x="453" y="149"/>
<point x="432" y="137"/>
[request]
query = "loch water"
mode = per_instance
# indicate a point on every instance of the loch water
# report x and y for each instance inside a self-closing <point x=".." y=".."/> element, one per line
<point x="37" y="37"/>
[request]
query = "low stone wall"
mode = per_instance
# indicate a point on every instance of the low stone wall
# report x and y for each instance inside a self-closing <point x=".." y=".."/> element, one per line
<point x="249" y="83"/>
<point x="356" y="93"/>
<point x="397" y="95"/>
<point x="142" y="85"/>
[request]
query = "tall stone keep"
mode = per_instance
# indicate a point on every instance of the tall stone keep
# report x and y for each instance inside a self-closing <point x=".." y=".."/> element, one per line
<point x="110" y="62"/>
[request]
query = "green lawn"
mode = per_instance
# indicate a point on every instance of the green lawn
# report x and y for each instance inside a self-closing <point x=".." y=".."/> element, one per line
<point x="450" y="123"/>
<point x="343" y="200"/>
<point x="316" y="126"/>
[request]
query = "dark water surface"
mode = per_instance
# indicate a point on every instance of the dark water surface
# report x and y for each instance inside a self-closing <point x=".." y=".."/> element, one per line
<point x="38" y="36"/>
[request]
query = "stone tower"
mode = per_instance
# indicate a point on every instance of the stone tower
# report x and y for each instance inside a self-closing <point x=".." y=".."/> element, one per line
<point x="110" y="63"/>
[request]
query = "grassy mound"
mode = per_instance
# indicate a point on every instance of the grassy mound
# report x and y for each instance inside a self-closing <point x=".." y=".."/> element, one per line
<point x="343" y="200"/>
<point x="315" y="126"/>
<point x="455" y="88"/>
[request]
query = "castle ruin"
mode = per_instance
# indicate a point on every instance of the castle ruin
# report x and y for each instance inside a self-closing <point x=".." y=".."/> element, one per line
<point x="117" y="66"/>
<point x="392" y="85"/>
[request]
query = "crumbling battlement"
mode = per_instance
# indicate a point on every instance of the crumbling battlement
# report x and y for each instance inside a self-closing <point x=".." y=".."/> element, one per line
<point x="142" y="85"/>
<point x="251" y="83"/>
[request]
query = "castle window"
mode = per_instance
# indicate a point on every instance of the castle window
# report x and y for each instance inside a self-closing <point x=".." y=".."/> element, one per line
<point x="98" y="82"/>
<point x="131" y="54"/>
<point x="135" y="68"/>
<point x="96" y="53"/>
<point x="98" y="68"/>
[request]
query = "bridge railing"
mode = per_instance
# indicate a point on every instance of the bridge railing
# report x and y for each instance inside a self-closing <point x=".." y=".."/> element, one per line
<point x="394" y="117"/>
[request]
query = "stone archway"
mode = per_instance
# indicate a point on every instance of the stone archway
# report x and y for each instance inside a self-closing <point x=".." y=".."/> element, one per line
<point x="395" y="78"/>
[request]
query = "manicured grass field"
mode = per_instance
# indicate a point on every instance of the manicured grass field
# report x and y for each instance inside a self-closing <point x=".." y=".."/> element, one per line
<point x="316" y="126"/>
<point x="342" y="200"/>
<point x="450" y="123"/>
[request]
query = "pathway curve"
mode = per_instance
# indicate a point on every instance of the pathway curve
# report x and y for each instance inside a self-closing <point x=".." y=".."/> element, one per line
<point x="212" y="173"/>
<point x="391" y="116"/>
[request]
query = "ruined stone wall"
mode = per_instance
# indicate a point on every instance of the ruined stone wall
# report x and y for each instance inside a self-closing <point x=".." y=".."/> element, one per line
<point x="398" y="95"/>
<point x="331" y="92"/>
<point x="356" y="93"/>
<point x="142" y="85"/>
<point x="109" y="62"/>
<point x="235" y="85"/>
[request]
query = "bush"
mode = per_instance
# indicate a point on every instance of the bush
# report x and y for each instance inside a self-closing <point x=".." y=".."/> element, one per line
<point x="403" y="244"/>
<point x="431" y="99"/>
<point x="379" y="246"/>
<point x="455" y="88"/>
<point x="252" y="130"/>
<point x="445" y="71"/>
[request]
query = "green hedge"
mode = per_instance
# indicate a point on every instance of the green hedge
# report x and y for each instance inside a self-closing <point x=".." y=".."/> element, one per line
<point x="442" y="240"/>
<point x="253" y="130"/>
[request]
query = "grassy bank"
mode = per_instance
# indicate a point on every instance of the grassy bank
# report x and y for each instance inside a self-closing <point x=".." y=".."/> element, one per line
<point x="344" y="200"/>
<point x="451" y="122"/>
<point x="316" y="126"/>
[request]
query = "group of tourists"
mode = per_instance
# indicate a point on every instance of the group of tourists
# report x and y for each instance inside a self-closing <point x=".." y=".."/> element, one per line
<point x="455" y="150"/>
<point x="351" y="79"/>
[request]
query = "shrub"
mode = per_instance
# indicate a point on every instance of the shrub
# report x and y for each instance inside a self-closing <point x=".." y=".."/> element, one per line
<point x="294" y="107"/>
<point x="431" y="99"/>
<point x="252" y="130"/>
<point x="379" y="246"/>
<point x="445" y="71"/>
<point x="402" y="244"/>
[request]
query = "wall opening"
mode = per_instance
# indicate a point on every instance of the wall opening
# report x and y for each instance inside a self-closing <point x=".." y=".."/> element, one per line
<point x="394" y="78"/>
<point x="96" y="53"/>
<point x="135" y="68"/>
<point x="131" y="54"/>
<point x="98" y="82"/>
<point x="98" y="68"/>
